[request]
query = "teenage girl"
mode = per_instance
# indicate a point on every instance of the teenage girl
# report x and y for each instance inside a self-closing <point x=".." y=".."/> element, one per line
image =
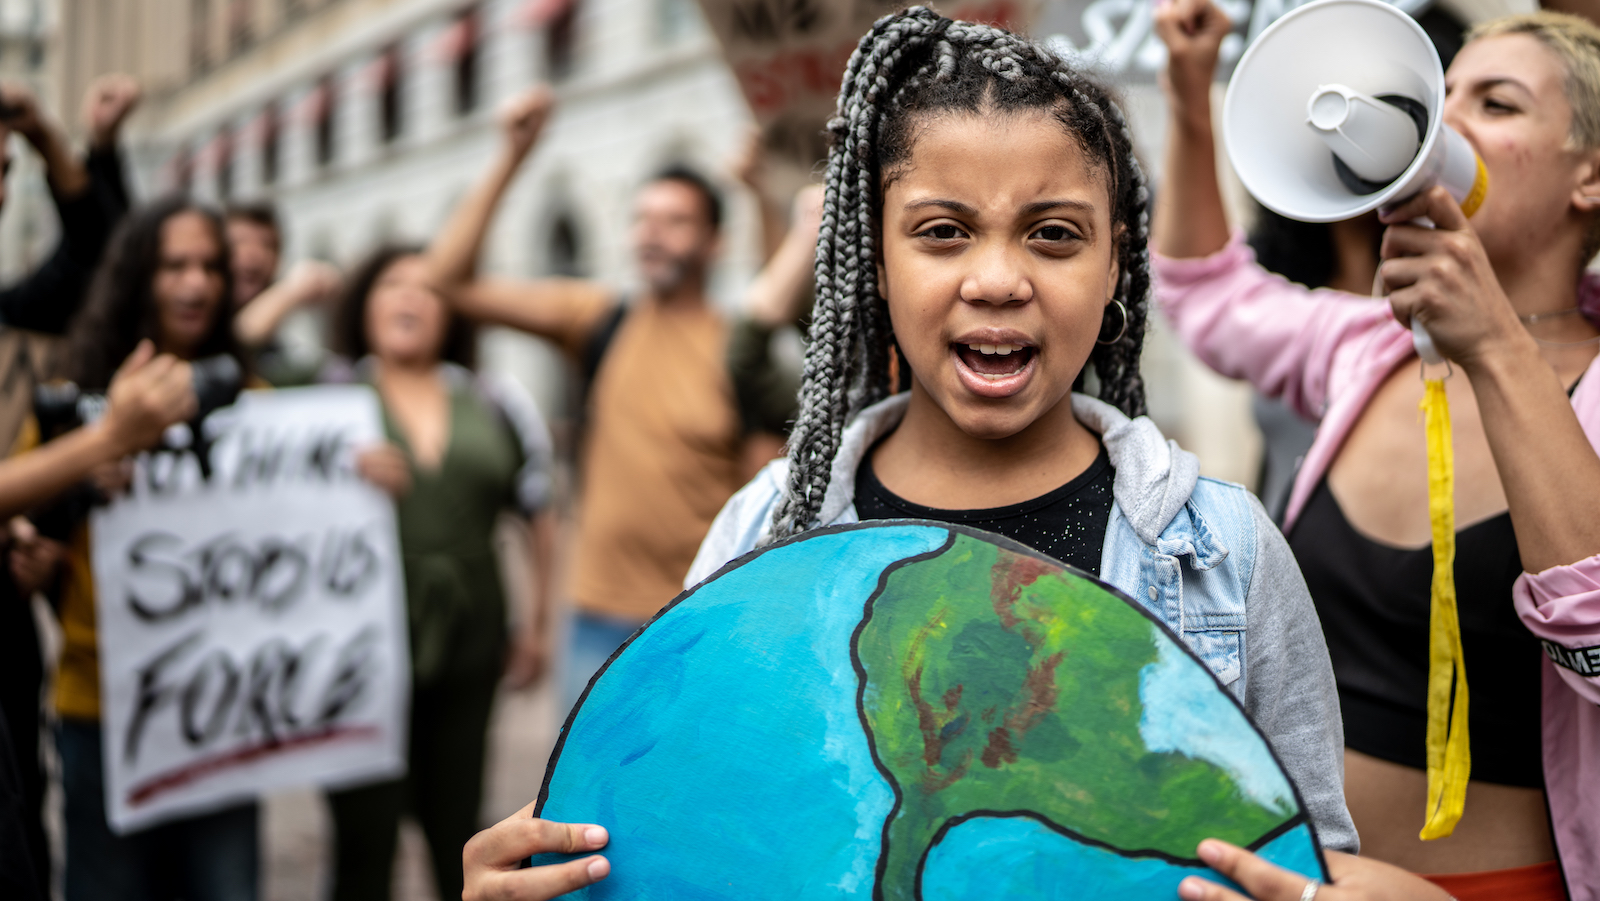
<point x="985" y="219"/>
<point x="1525" y="92"/>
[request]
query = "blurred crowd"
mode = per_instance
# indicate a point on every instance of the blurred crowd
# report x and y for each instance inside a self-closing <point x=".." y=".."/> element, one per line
<point x="682" y="405"/>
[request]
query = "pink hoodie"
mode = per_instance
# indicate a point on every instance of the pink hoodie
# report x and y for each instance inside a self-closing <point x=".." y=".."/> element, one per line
<point x="1325" y="353"/>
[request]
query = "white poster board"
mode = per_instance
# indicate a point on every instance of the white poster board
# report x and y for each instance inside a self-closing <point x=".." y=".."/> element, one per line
<point x="251" y="619"/>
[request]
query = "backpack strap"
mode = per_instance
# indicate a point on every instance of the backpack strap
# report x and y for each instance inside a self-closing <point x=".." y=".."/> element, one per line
<point x="594" y="350"/>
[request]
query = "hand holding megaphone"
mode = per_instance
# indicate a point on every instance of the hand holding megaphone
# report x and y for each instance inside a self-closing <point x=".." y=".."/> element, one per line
<point x="1336" y="110"/>
<point x="1440" y="277"/>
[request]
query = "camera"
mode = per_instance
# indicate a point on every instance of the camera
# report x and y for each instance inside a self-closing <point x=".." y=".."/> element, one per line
<point x="61" y="407"/>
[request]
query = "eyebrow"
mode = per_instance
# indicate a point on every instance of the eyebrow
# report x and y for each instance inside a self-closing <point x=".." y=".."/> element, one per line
<point x="1494" y="81"/>
<point x="1032" y="209"/>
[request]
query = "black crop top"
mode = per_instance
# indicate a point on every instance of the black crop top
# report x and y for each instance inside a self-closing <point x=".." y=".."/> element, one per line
<point x="1373" y="600"/>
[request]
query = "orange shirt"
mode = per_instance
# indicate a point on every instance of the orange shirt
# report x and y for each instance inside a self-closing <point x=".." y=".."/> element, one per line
<point x="661" y="458"/>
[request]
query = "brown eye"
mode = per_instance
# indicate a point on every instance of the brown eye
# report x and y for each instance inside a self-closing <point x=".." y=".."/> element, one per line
<point x="943" y="233"/>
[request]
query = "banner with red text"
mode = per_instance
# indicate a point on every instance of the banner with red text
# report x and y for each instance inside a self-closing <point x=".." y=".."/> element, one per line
<point x="251" y="612"/>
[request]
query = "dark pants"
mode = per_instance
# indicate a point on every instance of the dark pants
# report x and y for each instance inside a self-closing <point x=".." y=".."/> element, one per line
<point x="212" y="857"/>
<point x="443" y="789"/>
<point x="21" y="678"/>
<point x="19" y="881"/>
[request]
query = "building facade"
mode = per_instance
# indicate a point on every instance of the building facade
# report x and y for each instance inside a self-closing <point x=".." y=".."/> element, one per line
<point x="364" y="121"/>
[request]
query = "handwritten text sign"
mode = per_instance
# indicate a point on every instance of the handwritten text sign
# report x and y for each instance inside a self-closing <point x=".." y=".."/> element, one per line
<point x="251" y="612"/>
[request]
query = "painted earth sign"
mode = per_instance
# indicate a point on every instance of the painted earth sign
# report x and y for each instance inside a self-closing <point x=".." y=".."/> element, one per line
<point x="906" y="709"/>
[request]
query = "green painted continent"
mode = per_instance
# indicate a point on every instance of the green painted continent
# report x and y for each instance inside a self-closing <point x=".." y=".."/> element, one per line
<point x="1027" y="703"/>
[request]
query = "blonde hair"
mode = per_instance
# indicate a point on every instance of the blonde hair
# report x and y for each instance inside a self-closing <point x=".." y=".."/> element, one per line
<point x="1576" y="42"/>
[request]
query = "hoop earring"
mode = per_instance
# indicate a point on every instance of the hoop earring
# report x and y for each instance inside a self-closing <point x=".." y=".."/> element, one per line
<point x="1124" y="330"/>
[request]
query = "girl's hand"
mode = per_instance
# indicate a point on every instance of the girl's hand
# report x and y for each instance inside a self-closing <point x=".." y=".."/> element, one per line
<point x="529" y="657"/>
<point x="386" y="467"/>
<point x="491" y="859"/>
<point x="1193" y="31"/>
<point x="1442" y="277"/>
<point x="1354" y="879"/>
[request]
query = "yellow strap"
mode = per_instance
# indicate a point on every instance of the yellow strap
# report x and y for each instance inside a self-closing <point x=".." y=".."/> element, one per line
<point x="1449" y="755"/>
<point x="1480" y="190"/>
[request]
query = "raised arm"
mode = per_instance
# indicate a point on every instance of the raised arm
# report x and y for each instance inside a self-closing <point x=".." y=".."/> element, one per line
<point x="563" y="310"/>
<point x="85" y="196"/>
<point x="309" y="282"/>
<point x="1189" y="218"/>
<point x="20" y="111"/>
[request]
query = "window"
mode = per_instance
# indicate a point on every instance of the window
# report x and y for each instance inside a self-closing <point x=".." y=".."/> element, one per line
<point x="182" y="170"/>
<point x="564" y="248"/>
<point x="268" y="133"/>
<point x="560" y="42"/>
<point x="322" y="102"/>
<point x="200" y="35"/>
<point x="222" y="153"/>
<point x="465" y="45"/>
<point x="390" y="122"/>
<point x="241" y="25"/>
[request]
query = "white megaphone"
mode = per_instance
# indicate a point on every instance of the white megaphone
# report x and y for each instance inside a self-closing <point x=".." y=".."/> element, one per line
<point x="1338" y="109"/>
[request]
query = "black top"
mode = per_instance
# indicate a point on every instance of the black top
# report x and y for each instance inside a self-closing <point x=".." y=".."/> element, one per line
<point x="1068" y="524"/>
<point x="46" y="299"/>
<point x="1373" y="600"/>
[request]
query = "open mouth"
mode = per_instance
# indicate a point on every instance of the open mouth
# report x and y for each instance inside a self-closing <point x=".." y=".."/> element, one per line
<point x="995" y="361"/>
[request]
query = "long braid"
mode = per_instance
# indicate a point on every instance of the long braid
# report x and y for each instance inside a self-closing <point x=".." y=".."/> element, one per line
<point x="841" y="375"/>
<point x="918" y="61"/>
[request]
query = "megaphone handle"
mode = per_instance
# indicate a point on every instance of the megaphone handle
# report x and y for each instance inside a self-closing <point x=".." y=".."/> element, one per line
<point x="1423" y="342"/>
<point x="1420" y="339"/>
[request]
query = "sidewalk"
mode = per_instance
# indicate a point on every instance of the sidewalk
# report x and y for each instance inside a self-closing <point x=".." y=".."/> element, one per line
<point x="296" y="825"/>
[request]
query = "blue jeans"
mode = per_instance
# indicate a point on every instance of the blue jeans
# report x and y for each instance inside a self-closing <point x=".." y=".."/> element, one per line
<point x="591" y="642"/>
<point x="212" y="857"/>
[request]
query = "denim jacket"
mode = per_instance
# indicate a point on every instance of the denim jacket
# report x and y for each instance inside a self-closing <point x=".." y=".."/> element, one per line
<point x="1200" y="554"/>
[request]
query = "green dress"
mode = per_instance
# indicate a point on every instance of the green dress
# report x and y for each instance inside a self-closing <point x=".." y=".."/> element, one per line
<point x="496" y="460"/>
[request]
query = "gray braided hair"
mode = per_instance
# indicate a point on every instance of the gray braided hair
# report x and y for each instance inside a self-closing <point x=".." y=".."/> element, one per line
<point x="912" y="63"/>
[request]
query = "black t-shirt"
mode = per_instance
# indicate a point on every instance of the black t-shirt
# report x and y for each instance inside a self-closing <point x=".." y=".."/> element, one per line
<point x="1068" y="524"/>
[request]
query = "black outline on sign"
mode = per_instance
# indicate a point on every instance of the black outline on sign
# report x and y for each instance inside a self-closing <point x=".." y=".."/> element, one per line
<point x="1015" y="547"/>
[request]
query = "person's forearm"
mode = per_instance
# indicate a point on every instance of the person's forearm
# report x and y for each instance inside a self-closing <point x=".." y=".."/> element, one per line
<point x="775" y="294"/>
<point x="773" y="225"/>
<point x="39" y="475"/>
<point x="1547" y="466"/>
<point x="453" y="255"/>
<point x="257" y="321"/>
<point x="1190" y="220"/>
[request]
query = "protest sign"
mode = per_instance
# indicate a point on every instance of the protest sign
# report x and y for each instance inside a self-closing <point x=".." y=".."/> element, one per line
<point x="251" y="614"/>
<point x="789" y="56"/>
